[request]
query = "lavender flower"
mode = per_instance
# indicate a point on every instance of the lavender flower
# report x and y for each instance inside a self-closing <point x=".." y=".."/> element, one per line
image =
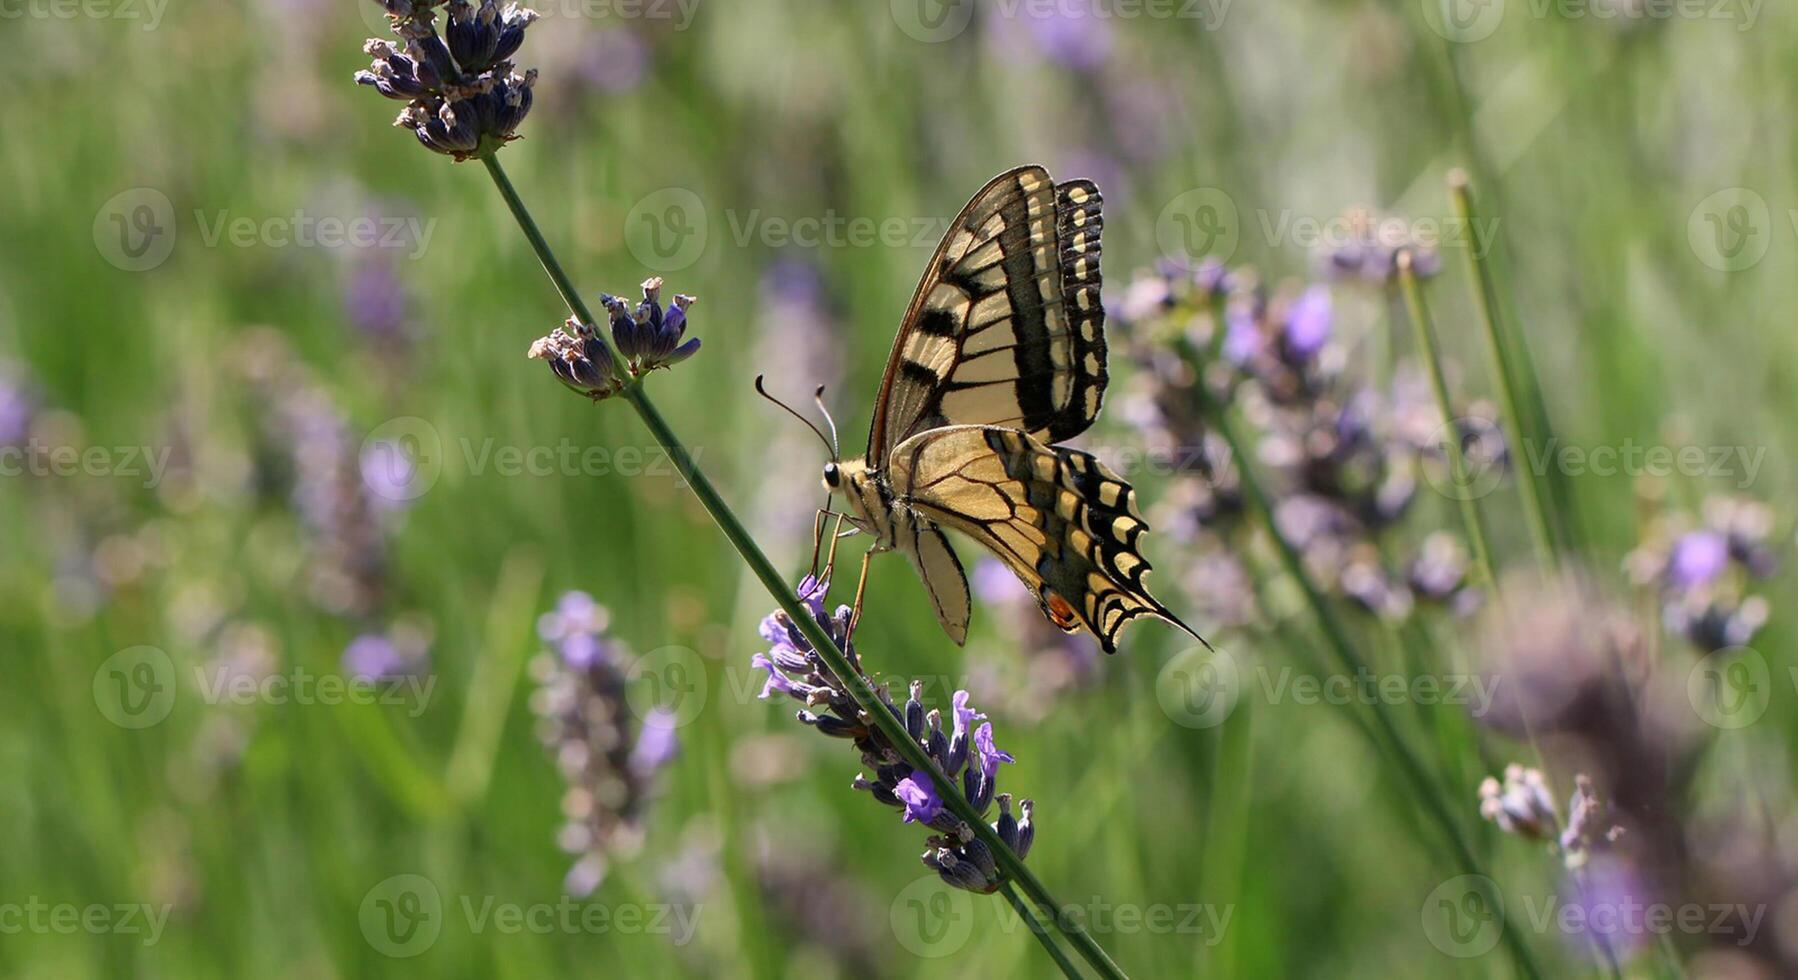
<point x="1704" y="574"/>
<point x="402" y="651"/>
<point x="964" y="752"/>
<point x="1370" y="251"/>
<point x="579" y="359"/>
<point x="649" y="337"/>
<point x="1521" y="805"/>
<point x="608" y="762"/>
<point x="18" y="405"/>
<point x="462" y="97"/>
<point x="1343" y="457"/>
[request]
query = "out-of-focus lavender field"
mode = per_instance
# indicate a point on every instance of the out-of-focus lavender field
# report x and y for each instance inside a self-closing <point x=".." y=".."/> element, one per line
<point x="340" y="641"/>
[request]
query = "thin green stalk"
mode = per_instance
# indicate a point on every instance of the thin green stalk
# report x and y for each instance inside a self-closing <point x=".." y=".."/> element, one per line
<point x="1504" y="375"/>
<point x="1386" y="732"/>
<point x="1041" y="933"/>
<point x="1457" y="462"/>
<point x="784" y="594"/>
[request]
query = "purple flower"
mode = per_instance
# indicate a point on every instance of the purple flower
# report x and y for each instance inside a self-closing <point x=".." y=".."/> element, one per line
<point x="1308" y="322"/>
<point x="649" y="337"/>
<point x="918" y="793"/>
<point x="658" y="742"/>
<point x="607" y="753"/>
<point x="579" y="359"/>
<point x="990" y="754"/>
<point x="462" y="97"/>
<point x="374" y="300"/>
<point x="776" y="681"/>
<point x="955" y="853"/>
<point x="17" y="407"/>
<point x="373" y="656"/>
<point x="615" y="61"/>
<point x="1699" y="558"/>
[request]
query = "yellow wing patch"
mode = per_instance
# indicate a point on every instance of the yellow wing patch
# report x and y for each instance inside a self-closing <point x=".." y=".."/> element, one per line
<point x="1059" y="518"/>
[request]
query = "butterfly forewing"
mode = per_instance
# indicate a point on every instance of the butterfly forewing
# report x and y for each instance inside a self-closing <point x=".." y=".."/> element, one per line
<point x="1064" y="522"/>
<point x="1006" y="327"/>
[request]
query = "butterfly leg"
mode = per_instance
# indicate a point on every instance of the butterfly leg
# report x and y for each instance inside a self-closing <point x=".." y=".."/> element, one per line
<point x="818" y="522"/>
<point x="861" y="587"/>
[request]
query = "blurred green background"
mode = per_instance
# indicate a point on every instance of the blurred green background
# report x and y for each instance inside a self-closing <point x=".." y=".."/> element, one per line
<point x="173" y="176"/>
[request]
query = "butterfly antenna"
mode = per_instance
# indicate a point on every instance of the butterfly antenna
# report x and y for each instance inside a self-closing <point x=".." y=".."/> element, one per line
<point x="828" y="444"/>
<point x="818" y="399"/>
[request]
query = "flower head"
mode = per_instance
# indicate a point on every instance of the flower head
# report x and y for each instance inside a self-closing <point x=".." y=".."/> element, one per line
<point x="963" y="752"/>
<point x="463" y="98"/>
<point x="608" y="755"/>
<point x="579" y="360"/>
<point x="648" y="336"/>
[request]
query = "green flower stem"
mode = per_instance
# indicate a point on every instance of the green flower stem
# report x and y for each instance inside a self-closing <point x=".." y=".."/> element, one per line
<point x="1504" y="374"/>
<point x="1385" y="733"/>
<point x="878" y="713"/>
<point x="1041" y="932"/>
<point x="1427" y="348"/>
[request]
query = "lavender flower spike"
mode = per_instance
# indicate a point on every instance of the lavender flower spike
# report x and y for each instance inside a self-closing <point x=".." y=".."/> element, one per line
<point x="579" y="359"/>
<point x="969" y="754"/>
<point x="648" y="336"/>
<point x="463" y="98"/>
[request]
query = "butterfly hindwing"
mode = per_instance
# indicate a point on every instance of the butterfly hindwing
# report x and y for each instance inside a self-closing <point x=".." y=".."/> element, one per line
<point x="1059" y="518"/>
<point x="943" y="578"/>
<point x="1006" y="327"/>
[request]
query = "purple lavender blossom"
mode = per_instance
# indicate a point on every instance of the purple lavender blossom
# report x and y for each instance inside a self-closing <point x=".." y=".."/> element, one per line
<point x="17" y="408"/>
<point x="463" y="98"/>
<point x="1308" y="322"/>
<point x="918" y="793"/>
<point x="608" y="758"/>
<point x="1699" y="558"/>
<point x="795" y="669"/>
<point x="649" y="337"/>
<point x="615" y="61"/>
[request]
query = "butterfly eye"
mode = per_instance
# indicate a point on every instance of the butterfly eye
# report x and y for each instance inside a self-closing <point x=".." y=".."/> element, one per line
<point x="831" y="477"/>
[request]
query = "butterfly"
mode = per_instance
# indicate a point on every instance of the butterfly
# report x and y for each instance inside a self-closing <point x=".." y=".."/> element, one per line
<point x="1001" y="355"/>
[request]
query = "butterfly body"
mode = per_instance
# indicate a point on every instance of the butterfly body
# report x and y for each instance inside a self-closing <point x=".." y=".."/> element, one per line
<point x="1002" y="355"/>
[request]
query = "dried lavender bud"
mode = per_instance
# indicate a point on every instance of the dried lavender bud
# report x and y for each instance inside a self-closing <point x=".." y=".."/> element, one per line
<point x="579" y="360"/>
<point x="463" y="98"/>
<point x="1521" y="805"/>
<point x="647" y="336"/>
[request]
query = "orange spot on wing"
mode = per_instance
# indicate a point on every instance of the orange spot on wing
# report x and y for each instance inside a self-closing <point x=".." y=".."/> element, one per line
<point x="1061" y="613"/>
